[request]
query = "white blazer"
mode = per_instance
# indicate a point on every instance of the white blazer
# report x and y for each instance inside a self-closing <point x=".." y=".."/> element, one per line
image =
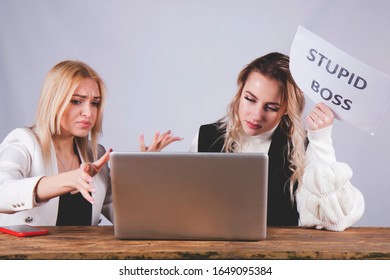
<point x="22" y="166"/>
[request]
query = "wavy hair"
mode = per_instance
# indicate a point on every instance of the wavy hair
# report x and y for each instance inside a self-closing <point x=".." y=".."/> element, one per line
<point x="274" y="66"/>
<point x="58" y="88"/>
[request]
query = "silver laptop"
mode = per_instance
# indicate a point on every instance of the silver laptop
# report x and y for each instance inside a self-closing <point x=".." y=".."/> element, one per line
<point x="189" y="196"/>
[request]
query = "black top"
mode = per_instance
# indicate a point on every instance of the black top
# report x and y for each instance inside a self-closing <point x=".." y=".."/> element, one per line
<point x="74" y="210"/>
<point x="282" y="211"/>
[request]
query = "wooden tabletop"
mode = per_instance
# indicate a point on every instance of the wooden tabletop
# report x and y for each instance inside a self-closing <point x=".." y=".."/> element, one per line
<point x="99" y="242"/>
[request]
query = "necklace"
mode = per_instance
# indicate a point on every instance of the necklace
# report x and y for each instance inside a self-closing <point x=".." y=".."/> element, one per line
<point x="63" y="165"/>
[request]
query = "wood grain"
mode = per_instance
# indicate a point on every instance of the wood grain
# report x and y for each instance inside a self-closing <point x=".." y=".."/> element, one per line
<point x="281" y="243"/>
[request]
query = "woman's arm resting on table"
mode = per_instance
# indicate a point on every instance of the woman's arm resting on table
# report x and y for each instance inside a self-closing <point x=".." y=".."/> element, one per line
<point x="326" y="198"/>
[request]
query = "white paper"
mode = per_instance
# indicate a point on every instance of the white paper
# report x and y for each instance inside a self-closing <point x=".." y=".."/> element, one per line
<point x="357" y="94"/>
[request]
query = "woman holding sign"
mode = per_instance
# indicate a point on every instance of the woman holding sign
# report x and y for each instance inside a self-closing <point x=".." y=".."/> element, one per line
<point x="307" y="186"/>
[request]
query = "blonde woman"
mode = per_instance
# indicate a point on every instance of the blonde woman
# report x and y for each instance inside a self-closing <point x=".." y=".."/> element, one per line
<point x="307" y="186"/>
<point x="55" y="173"/>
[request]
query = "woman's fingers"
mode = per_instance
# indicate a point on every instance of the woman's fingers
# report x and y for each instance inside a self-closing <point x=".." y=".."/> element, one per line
<point x="155" y="142"/>
<point x="98" y="165"/>
<point x="142" y="146"/>
<point x="168" y="140"/>
<point x="159" y="142"/>
<point x="86" y="189"/>
<point x="321" y="116"/>
<point x="83" y="182"/>
<point x="84" y="176"/>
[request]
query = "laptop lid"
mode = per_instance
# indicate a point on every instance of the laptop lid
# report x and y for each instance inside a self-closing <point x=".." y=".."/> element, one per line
<point x="189" y="196"/>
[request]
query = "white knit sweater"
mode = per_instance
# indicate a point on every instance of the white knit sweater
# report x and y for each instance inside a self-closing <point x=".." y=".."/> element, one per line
<point x="326" y="199"/>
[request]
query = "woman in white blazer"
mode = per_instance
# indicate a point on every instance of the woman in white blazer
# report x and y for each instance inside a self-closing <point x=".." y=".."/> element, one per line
<point x="55" y="172"/>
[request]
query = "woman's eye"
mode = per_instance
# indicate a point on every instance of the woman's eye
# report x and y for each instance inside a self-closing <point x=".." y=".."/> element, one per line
<point x="95" y="103"/>
<point x="272" y="108"/>
<point x="75" y="102"/>
<point x="249" y="99"/>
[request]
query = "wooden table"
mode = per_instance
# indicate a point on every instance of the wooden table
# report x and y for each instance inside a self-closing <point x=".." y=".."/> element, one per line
<point x="282" y="243"/>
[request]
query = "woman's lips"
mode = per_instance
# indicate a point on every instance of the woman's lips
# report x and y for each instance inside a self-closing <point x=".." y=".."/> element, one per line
<point x="252" y="125"/>
<point x="85" y="124"/>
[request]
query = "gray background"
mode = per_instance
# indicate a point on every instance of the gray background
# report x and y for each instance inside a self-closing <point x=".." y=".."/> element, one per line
<point x="173" y="65"/>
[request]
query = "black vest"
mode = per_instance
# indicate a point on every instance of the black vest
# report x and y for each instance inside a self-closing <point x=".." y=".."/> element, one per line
<point x="281" y="210"/>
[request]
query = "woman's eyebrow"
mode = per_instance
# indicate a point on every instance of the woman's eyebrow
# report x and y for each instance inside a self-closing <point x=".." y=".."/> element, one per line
<point x="251" y="94"/>
<point x="85" y="96"/>
<point x="274" y="103"/>
<point x="79" y="95"/>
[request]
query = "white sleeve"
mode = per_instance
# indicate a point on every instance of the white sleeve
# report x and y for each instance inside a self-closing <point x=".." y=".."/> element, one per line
<point x="16" y="187"/>
<point x="194" y="144"/>
<point x="326" y="198"/>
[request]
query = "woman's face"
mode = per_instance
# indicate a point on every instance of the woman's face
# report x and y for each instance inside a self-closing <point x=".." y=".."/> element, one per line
<point x="80" y="115"/>
<point x="260" y="108"/>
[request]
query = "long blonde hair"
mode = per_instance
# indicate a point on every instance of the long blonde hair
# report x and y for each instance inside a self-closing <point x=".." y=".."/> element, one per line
<point x="58" y="88"/>
<point x="274" y="66"/>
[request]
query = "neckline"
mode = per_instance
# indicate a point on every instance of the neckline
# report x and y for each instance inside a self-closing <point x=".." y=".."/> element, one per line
<point x="261" y="137"/>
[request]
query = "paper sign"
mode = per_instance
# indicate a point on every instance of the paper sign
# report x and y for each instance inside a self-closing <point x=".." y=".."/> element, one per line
<point x="357" y="94"/>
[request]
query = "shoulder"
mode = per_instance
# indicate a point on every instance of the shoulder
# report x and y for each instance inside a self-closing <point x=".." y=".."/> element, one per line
<point x="211" y="128"/>
<point x="25" y="136"/>
<point x="21" y="146"/>
<point x="23" y="132"/>
<point x="211" y="137"/>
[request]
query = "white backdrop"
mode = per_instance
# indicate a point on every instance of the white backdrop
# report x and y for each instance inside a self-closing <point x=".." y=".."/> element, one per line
<point x="173" y="65"/>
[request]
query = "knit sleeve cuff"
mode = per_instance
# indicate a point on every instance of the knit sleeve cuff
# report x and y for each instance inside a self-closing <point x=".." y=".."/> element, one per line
<point x="327" y="199"/>
<point x="320" y="148"/>
<point x="323" y="134"/>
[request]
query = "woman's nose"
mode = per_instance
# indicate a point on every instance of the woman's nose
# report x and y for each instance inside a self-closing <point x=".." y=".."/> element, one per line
<point x="86" y="110"/>
<point x="258" y="115"/>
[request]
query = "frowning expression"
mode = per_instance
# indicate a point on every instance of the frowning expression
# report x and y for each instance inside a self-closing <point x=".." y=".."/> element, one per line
<point x="80" y="115"/>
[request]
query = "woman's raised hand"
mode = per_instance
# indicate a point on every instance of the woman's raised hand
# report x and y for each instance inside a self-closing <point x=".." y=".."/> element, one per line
<point x="159" y="142"/>
<point x="85" y="174"/>
<point x="96" y="166"/>
<point x="321" y="116"/>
